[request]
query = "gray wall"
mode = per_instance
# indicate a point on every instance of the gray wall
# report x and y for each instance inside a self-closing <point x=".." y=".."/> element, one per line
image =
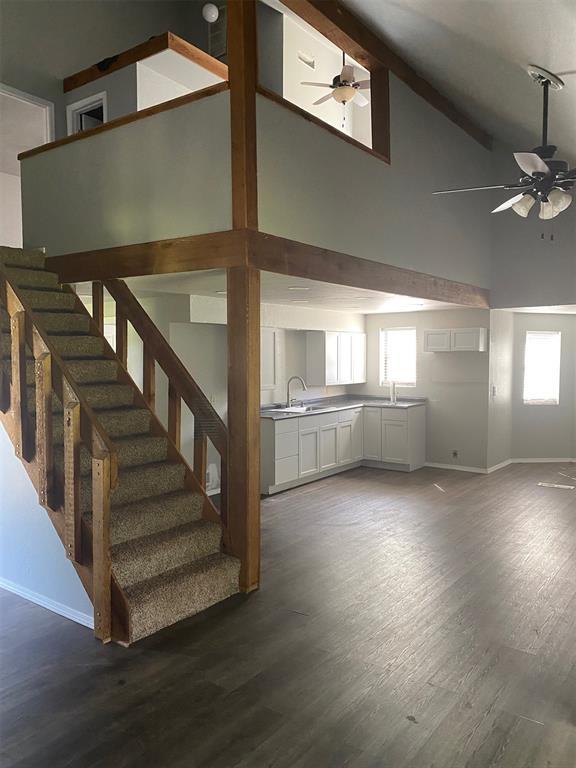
<point x="455" y="383"/>
<point x="500" y="393"/>
<point x="45" y="41"/>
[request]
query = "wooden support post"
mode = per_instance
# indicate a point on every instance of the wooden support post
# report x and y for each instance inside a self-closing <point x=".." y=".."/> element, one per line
<point x="98" y="304"/>
<point x="22" y="420"/>
<point x="72" y="475"/>
<point x="121" y="336"/>
<point x="200" y="454"/>
<point x="101" y="558"/>
<point x="380" y="109"/>
<point x="149" y="376"/>
<point x="4" y="377"/>
<point x="174" y="415"/>
<point x="44" y="432"/>
<point x="244" y="421"/>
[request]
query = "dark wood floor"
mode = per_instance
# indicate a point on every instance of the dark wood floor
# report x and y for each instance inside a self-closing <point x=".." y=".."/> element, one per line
<point x="401" y="624"/>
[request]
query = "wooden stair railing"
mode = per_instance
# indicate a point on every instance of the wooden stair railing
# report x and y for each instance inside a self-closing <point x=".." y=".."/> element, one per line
<point x="32" y="435"/>
<point x="181" y="386"/>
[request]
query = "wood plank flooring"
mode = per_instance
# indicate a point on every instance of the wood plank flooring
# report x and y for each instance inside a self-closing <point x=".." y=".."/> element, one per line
<point x="423" y="620"/>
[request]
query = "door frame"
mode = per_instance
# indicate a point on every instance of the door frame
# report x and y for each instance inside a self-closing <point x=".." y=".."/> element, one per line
<point x="29" y="98"/>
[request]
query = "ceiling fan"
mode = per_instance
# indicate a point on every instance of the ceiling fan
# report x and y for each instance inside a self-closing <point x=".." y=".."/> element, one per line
<point x="544" y="180"/>
<point x="343" y="87"/>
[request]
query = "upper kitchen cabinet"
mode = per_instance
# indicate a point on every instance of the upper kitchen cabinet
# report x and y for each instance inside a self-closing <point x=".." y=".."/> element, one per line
<point x="271" y="358"/>
<point x="456" y="340"/>
<point x="334" y="357"/>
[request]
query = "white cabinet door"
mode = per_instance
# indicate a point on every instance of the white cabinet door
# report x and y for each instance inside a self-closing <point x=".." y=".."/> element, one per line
<point x="437" y="340"/>
<point x="395" y="441"/>
<point x="332" y="358"/>
<point x="286" y="470"/>
<point x="328" y="446"/>
<point x="468" y="339"/>
<point x="357" y="435"/>
<point x="345" y="358"/>
<point x="345" y="432"/>
<point x="268" y="377"/>
<point x="358" y="358"/>
<point x="372" y="433"/>
<point x="309" y="451"/>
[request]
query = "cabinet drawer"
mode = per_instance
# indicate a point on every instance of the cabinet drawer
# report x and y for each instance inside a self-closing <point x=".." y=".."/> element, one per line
<point x="394" y="414"/>
<point x="347" y="415"/>
<point x="286" y="425"/>
<point x="286" y="445"/>
<point x="286" y="469"/>
<point x="319" y="420"/>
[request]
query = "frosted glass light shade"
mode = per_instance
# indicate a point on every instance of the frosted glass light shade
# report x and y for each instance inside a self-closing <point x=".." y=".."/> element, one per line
<point x="344" y="94"/>
<point x="524" y="206"/>
<point x="559" y="199"/>
<point x="210" y="12"/>
<point x="547" y="211"/>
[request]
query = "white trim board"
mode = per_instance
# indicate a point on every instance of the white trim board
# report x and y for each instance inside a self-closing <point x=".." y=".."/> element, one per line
<point x="51" y="605"/>
<point x="496" y="467"/>
<point x="31" y="99"/>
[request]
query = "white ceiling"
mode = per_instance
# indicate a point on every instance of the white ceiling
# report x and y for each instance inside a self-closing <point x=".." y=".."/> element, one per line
<point x="289" y="291"/>
<point x="475" y="52"/>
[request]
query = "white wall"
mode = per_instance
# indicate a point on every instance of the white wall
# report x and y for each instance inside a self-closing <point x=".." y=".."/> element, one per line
<point x="545" y="431"/>
<point x="32" y="558"/>
<point x="133" y="184"/>
<point x="155" y="88"/>
<point x="10" y="211"/>
<point x="120" y="88"/>
<point x="317" y="189"/>
<point x="455" y="384"/>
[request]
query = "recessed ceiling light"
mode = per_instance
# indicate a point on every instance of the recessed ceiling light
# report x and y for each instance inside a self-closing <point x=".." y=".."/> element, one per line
<point x="298" y="288"/>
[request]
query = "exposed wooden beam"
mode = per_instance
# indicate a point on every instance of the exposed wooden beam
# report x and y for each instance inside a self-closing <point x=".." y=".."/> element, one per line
<point x="289" y="257"/>
<point x="350" y="34"/>
<point x="216" y="250"/>
<point x="167" y="41"/>
<point x="243" y="78"/>
<point x="133" y="117"/>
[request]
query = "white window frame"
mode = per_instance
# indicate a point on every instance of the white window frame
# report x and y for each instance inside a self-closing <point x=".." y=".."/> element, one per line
<point x="381" y="362"/>
<point x="48" y="106"/>
<point x="536" y="401"/>
<point x="85" y="105"/>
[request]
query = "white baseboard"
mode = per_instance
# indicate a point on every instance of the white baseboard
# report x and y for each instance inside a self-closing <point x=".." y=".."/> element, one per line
<point x="542" y="461"/>
<point x="458" y="467"/>
<point x="496" y="467"/>
<point x="62" y="610"/>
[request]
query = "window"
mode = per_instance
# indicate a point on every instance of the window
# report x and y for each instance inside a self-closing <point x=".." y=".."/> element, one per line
<point x="87" y="113"/>
<point x="398" y="356"/>
<point x="542" y="367"/>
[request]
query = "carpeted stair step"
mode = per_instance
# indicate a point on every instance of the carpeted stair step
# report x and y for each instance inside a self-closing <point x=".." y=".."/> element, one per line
<point x="154" y="515"/>
<point x="141" y="559"/>
<point x="182" y="592"/>
<point x="117" y="423"/>
<point x="138" y="483"/>
<point x="107" y="396"/>
<point x="31" y="396"/>
<point x="133" y="451"/>
<point x="89" y="371"/>
<point x="63" y="322"/>
<point x="17" y="257"/>
<point x="32" y="278"/>
<point x="78" y="346"/>
<point x="49" y="300"/>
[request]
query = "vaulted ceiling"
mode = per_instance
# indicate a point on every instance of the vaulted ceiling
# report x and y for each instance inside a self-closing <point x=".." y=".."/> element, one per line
<point x="476" y="51"/>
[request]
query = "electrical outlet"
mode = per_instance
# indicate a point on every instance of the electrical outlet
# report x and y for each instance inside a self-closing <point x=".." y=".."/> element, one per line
<point x="454" y="454"/>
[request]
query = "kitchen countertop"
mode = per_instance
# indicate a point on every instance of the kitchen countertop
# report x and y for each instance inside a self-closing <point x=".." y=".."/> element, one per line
<point x="338" y="404"/>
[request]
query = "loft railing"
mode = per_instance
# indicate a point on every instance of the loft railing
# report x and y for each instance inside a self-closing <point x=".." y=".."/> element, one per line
<point x="181" y="386"/>
<point x="33" y="437"/>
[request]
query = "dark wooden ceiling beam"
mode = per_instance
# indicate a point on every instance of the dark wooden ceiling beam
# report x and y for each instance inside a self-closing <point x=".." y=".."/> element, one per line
<point x="350" y="34"/>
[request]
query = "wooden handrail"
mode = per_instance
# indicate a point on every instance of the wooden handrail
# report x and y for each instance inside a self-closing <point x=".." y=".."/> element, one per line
<point x="181" y="382"/>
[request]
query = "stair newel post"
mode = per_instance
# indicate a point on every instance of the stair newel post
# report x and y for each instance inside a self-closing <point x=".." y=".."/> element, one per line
<point x="44" y="426"/>
<point x="98" y="304"/>
<point x="72" y="474"/>
<point x="101" y="558"/>
<point x="149" y="377"/>
<point x="121" y="335"/>
<point x="19" y="398"/>
<point x="174" y="415"/>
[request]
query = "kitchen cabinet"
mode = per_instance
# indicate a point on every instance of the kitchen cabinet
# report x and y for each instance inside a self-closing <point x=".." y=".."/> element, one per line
<point x="328" y="446"/>
<point x="345" y="442"/>
<point x="372" y="433"/>
<point x="334" y="357"/>
<point x="309" y="452"/>
<point x="395" y="441"/>
<point x="269" y="374"/>
<point x="280" y="455"/>
<point x="456" y="340"/>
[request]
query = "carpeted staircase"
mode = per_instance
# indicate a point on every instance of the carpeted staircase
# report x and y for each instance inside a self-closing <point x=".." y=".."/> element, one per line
<point x="167" y="562"/>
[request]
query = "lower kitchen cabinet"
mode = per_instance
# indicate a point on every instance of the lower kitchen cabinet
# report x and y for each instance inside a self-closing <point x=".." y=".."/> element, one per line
<point x="395" y="441"/>
<point x="329" y="446"/>
<point x="372" y="433"/>
<point x="309" y="463"/>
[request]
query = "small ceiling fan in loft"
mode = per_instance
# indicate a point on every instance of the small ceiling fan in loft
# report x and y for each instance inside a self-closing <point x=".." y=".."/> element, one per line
<point x="544" y="179"/>
<point x="343" y="88"/>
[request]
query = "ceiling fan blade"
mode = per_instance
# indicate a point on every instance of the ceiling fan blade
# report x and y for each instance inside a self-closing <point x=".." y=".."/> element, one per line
<point x="469" y="189"/>
<point x="360" y="99"/>
<point x="531" y="163"/>
<point x="509" y="203"/>
<point x="363" y="84"/>
<point x="347" y="73"/>
<point x="318" y="85"/>
<point x="322" y="99"/>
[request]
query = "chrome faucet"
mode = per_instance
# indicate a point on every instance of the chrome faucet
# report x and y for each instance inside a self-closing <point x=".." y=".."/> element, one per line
<point x="393" y="392"/>
<point x="290" y="380"/>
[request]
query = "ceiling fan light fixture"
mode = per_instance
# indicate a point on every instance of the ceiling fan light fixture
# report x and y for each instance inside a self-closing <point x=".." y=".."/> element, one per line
<point x="547" y="211"/>
<point x="559" y="199"/>
<point x="344" y="94"/>
<point x="524" y="206"/>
